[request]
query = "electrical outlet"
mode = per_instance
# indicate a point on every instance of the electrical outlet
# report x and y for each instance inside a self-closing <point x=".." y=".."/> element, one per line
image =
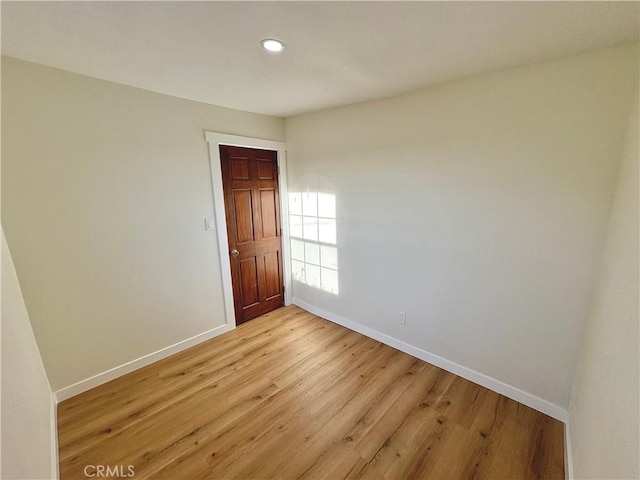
<point x="402" y="318"/>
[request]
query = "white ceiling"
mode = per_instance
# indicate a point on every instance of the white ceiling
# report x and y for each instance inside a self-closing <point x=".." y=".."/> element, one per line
<point x="336" y="52"/>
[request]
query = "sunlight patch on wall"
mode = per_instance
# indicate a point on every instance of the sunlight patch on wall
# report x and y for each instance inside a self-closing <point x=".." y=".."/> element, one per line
<point x="314" y="255"/>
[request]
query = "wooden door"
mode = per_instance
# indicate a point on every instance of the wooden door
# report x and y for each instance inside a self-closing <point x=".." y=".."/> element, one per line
<point x="252" y="206"/>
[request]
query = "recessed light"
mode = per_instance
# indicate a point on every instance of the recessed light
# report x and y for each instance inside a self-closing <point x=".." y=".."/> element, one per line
<point x="272" y="45"/>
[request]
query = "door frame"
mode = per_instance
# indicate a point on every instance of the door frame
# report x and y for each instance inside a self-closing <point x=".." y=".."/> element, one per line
<point x="214" y="140"/>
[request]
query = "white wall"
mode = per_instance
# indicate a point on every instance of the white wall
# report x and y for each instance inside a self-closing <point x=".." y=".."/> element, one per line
<point x="604" y="418"/>
<point x="104" y="192"/>
<point x="478" y="207"/>
<point x="28" y="426"/>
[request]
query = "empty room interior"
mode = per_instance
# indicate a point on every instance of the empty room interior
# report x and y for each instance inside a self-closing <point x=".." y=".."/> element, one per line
<point x="383" y="240"/>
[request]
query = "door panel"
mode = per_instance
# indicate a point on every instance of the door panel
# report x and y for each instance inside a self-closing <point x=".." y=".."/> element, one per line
<point x="268" y="212"/>
<point x="249" y="282"/>
<point x="240" y="168"/>
<point x="265" y="169"/>
<point x="250" y="181"/>
<point x="272" y="274"/>
<point x="243" y="210"/>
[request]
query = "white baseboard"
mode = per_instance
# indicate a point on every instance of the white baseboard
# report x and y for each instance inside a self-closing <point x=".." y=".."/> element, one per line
<point x="568" y="459"/>
<point x="509" y="391"/>
<point x="104" y="377"/>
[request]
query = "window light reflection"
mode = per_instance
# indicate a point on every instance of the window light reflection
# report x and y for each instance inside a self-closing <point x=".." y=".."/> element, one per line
<point x="314" y="255"/>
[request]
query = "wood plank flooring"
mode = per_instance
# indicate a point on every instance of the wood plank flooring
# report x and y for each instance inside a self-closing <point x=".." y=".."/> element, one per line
<point x="291" y="395"/>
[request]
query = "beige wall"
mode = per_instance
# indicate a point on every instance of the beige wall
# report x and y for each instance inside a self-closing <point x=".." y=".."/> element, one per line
<point x="478" y="207"/>
<point x="604" y="417"/>
<point x="104" y="192"/>
<point x="27" y="402"/>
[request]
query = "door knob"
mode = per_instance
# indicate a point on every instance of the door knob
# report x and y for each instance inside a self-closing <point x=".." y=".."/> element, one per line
<point x="235" y="252"/>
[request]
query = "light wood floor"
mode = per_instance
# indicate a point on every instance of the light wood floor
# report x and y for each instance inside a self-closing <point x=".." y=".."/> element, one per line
<point x="290" y="395"/>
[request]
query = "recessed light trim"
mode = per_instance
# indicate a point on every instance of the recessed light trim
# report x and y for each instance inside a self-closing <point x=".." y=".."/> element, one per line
<point x="272" y="45"/>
